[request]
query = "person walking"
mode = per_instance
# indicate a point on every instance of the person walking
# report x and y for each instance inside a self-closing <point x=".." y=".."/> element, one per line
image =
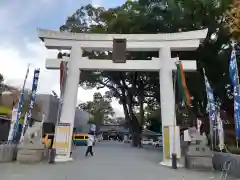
<point x="90" y="144"/>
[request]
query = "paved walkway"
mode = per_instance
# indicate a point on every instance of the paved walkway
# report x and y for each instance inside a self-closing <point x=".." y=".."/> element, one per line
<point x="112" y="161"/>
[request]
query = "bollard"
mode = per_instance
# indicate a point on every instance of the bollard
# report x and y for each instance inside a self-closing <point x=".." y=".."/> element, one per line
<point x="2" y="153"/>
<point x="174" y="161"/>
<point x="14" y="151"/>
<point x="52" y="154"/>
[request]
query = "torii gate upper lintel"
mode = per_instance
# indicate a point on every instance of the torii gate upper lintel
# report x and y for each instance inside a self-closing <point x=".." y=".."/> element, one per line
<point x="163" y="43"/>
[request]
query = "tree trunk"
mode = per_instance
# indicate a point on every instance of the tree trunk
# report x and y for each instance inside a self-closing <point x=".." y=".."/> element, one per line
<point x="141" y="120"/>
<point x="127" y="100"/>
<point x="136" y="130"/>
<point x="136" y="135"/>
<point x="192" y="117"/>
<point x="127" y="117"/>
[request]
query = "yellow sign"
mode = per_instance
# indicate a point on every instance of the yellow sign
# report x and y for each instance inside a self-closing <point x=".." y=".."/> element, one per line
<point x="62" y="138"/>
<point x="166" y="141"/>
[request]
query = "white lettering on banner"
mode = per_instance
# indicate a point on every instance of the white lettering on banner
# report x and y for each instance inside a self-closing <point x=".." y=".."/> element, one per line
<point x="232" y="65"/>
<point x="93" y="127"/>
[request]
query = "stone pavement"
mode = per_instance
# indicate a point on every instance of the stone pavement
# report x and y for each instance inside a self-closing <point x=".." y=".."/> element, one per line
<point x="112" y="161"/>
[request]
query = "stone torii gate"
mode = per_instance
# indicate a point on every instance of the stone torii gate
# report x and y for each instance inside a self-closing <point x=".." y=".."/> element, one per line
<point x="164" y="64"/>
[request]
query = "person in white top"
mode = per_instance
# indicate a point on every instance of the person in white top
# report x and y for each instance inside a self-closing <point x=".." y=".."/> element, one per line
<point x="90" y="144"/>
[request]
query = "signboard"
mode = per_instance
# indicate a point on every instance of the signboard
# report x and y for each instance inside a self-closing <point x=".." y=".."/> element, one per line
<point x="166" y="142"/>
<point x="119" y="50"/>
<point x="62" y="139"/>
<point x="93" y="127"/>
<point x="169" y="139"/>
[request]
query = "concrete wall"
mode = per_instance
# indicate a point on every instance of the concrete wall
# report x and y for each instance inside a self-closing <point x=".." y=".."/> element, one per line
<point x="53" y="109"/>
<point x="50" y="106"/>
<point x="81" y="118"/>
<point x="45" y="101"/>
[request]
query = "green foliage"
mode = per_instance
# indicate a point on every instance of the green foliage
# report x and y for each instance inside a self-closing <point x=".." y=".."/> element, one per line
<point x="155" y="124"/>
<point x="5" y="111"/>
<point x="100" y="109"/>
<point x="135" y="89"/>
<point x="1" y="78"/>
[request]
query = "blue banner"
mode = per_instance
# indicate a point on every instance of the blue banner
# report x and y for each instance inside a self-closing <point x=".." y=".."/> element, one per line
<point x="233" y="73"/>
<point x="32" y="100"/>
<point x="210" y="97"/>
<point x="15" y="126"/>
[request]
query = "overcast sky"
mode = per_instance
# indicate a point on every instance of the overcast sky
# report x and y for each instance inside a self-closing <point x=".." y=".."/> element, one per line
<point x="19" y="44"/>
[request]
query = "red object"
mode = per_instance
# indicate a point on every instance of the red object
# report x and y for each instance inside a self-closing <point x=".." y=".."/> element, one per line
<point x="61" y="75"/>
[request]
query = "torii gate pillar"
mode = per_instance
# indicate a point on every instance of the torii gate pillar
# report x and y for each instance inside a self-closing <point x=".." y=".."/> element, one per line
<point x="171" y="133"/>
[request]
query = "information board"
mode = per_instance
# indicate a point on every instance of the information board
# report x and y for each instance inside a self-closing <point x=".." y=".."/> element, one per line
<point x="62" y="138"/>
<point x="93" y="127"/>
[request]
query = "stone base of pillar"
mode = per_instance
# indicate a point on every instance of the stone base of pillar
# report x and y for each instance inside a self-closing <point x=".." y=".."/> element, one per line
<point x="168" y="162"/>
<point x="30" y="153"/>
<point x="63" y="159"/>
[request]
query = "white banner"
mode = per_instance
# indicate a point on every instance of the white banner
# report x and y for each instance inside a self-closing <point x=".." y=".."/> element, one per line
<point x="220" y="132"/>
<point x="93" y="127"/>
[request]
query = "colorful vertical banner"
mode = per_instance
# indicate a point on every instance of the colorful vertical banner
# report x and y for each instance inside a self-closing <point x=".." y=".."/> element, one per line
<point x="211" y="102"/>
<point x="32" y="101"/>
<point x="63" y="76"/>
<point x="233" y="73"/>
<point x="15" y="123"/>
<point x="182" y="86"/>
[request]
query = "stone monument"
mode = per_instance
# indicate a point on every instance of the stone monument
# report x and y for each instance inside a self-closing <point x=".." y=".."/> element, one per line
<point x="198" y="155"/>
<point x="31" y="148"/>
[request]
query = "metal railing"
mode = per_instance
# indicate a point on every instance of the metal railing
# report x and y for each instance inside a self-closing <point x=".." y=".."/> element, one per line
<point x="225" y="169"/>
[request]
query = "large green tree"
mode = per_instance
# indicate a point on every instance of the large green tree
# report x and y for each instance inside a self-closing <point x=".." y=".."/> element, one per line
<point x="1" y="78"/>
<point x="100" y="109"/>
<point x="136" y="89"/>
<point x="1" y="89"/>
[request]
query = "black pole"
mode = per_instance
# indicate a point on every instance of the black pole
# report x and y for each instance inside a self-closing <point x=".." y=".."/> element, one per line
<point x="174" y="160"/>
<point x="174" y="155"/>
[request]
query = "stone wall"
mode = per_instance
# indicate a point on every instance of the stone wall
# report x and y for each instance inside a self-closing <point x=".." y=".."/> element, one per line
<point x="220" y="158"/>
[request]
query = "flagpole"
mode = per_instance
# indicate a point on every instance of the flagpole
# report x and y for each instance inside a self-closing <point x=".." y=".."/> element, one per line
<point x="209" y="106"/>
<point x="233" y="47"/>
<point x="28" y="120"/>
<point x="15" y="123"/>
<point x="174" y="124"/>
<point x="233" y="50"/>
<point x="174" y="154"/>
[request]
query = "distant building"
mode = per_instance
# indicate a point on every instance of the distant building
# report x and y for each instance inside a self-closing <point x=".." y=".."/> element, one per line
<point x="81" y="121"/>
<point x="49" y="107"/>
<point x="113" y="131"/>
<point x="46" y="109"/>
